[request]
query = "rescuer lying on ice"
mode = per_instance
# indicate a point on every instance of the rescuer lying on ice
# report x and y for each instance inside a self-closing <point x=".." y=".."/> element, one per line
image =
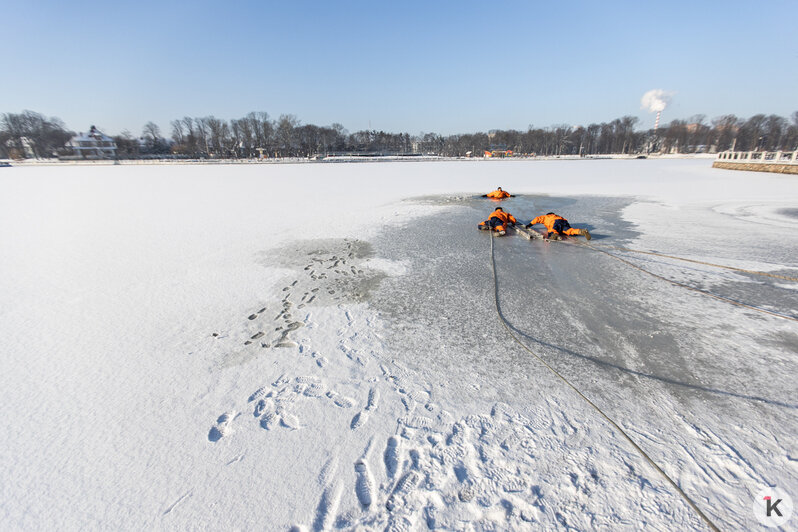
<point x="498" y="221"/>
<point x="557" y="226"/>
<point x="497" y="194"/>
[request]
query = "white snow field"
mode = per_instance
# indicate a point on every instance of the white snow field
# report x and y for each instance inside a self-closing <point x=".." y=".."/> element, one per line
<point x="317" y="346"/>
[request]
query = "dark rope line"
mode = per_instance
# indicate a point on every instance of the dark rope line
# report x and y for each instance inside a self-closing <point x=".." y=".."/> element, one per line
<point x="733" y="268"/>
<point x="683" y="285"/>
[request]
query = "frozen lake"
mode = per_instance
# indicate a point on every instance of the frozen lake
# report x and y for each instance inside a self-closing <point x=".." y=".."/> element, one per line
<point x="317" y="346"/>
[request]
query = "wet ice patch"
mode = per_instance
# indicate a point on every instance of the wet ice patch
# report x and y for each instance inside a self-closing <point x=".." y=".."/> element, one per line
<point x="330" y="271"/>
<point x="389" y="267"/>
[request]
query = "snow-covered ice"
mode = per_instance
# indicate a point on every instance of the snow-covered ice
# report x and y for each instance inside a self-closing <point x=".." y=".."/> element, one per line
<point x="316" y="346"/>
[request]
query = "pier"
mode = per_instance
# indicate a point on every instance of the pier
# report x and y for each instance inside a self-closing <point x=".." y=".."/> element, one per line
<point x="783" y="162"/>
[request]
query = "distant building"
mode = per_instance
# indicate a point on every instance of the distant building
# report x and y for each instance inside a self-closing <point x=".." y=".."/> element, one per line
<point x="92" y="145"/>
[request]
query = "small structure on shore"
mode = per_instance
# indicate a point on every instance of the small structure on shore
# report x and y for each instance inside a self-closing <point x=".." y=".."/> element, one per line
<point x="92" y="145"/>
<point x="782" y="162"/>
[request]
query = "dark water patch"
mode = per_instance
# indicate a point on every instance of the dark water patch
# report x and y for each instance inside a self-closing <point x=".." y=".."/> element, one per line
<point x="792" y="212"/>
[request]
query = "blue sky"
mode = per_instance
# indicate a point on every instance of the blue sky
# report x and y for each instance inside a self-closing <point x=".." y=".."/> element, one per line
<point x="412" y="66"/>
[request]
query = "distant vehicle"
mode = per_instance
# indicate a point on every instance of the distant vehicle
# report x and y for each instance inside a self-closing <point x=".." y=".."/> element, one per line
<point x="5" y="163"/>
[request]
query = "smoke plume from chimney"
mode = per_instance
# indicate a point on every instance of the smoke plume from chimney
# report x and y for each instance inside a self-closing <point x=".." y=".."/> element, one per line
<point x="656" y="100"/>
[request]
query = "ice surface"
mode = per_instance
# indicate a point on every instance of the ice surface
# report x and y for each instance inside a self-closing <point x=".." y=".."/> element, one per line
<point x="317" y="346"/>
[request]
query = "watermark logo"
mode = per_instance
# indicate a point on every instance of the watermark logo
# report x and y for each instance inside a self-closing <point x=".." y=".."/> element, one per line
<point x="772" y="507"/>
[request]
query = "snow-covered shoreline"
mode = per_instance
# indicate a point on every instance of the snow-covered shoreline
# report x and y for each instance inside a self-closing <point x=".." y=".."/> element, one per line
<point x="348" y="159"/>
<point x="145" y="384"/>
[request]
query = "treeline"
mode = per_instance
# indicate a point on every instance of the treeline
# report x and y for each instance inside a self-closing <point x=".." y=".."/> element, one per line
<point x="694" y="135"/>
<point x="32" y="133"/>
<point x="286" y="137"/>
<point x="257" y="134"/>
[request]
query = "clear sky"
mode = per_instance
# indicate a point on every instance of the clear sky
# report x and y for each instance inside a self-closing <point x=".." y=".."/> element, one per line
<point x="412" y="66"/>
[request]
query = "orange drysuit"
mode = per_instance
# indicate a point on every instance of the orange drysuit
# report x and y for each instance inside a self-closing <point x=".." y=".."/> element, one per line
<point x="498" y="194"/>
<point x="550" y="221"/>
<point x="499" y="219"/>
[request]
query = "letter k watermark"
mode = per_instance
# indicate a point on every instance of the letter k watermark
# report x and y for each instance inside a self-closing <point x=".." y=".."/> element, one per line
<point x="772" y="506"/>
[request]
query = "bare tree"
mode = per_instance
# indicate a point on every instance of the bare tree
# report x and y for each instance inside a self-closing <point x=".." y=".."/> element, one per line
<point x="177" y="132"/>
<point x="675" y="137"/>
<point x="286" y="142"/>
<point x="151" y="131"/>
<point x="262" y="131"/>
<point x="790" y="140"/>
<point x="220" y="137"/>
<point x="154" y="143"/>
<point x="724" y="132"/>
<point x="203" y="136"/>
<point x="751" y="131"/>
<point x="243" y="137"/>
<point x="127" y="147"/>
<point x="775" y="127"/>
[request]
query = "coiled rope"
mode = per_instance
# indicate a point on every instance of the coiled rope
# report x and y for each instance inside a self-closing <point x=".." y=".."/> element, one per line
<point x="620" y="431"/>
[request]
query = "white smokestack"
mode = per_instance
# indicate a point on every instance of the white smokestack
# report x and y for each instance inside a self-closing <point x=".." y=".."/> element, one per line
<point x="655" y="101"/>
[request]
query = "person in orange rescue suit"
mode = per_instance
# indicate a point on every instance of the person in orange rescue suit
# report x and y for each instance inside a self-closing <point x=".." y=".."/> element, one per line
<point x="498" y="194"/>
<point x="498" y="221"/>
<point x="557" y="226"/>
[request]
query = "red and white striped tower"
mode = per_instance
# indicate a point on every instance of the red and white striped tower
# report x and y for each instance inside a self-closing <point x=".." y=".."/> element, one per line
<point x="656" y="122"/>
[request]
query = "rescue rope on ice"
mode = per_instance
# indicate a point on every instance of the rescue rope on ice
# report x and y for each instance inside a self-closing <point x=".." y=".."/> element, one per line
<point x="620" y="431"/>
<point x="742" y="270"/>
<point x="693" y="288"/>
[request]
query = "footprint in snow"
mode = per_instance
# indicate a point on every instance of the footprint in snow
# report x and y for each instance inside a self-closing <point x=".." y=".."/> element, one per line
<point x="260" y="393"/>
<point x="314" y="390"/>
<point x="262" y="406"/>
<point x="269" y="420"/>
<point x="281" y="380"/>
<point x="222" y="427"/>
<point x="290" y="421"/>
<point x="330" y="497"/>
<point x="340" y="400"/>
<point x="286" y="344"/>
<point x="359" y="419"/>
<point x="374" y="397"/>
<point x="404" y="486"/>
<point x="364" y="484"/>
<point x="391" y="456"/>
<point x="418" y="422"/>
